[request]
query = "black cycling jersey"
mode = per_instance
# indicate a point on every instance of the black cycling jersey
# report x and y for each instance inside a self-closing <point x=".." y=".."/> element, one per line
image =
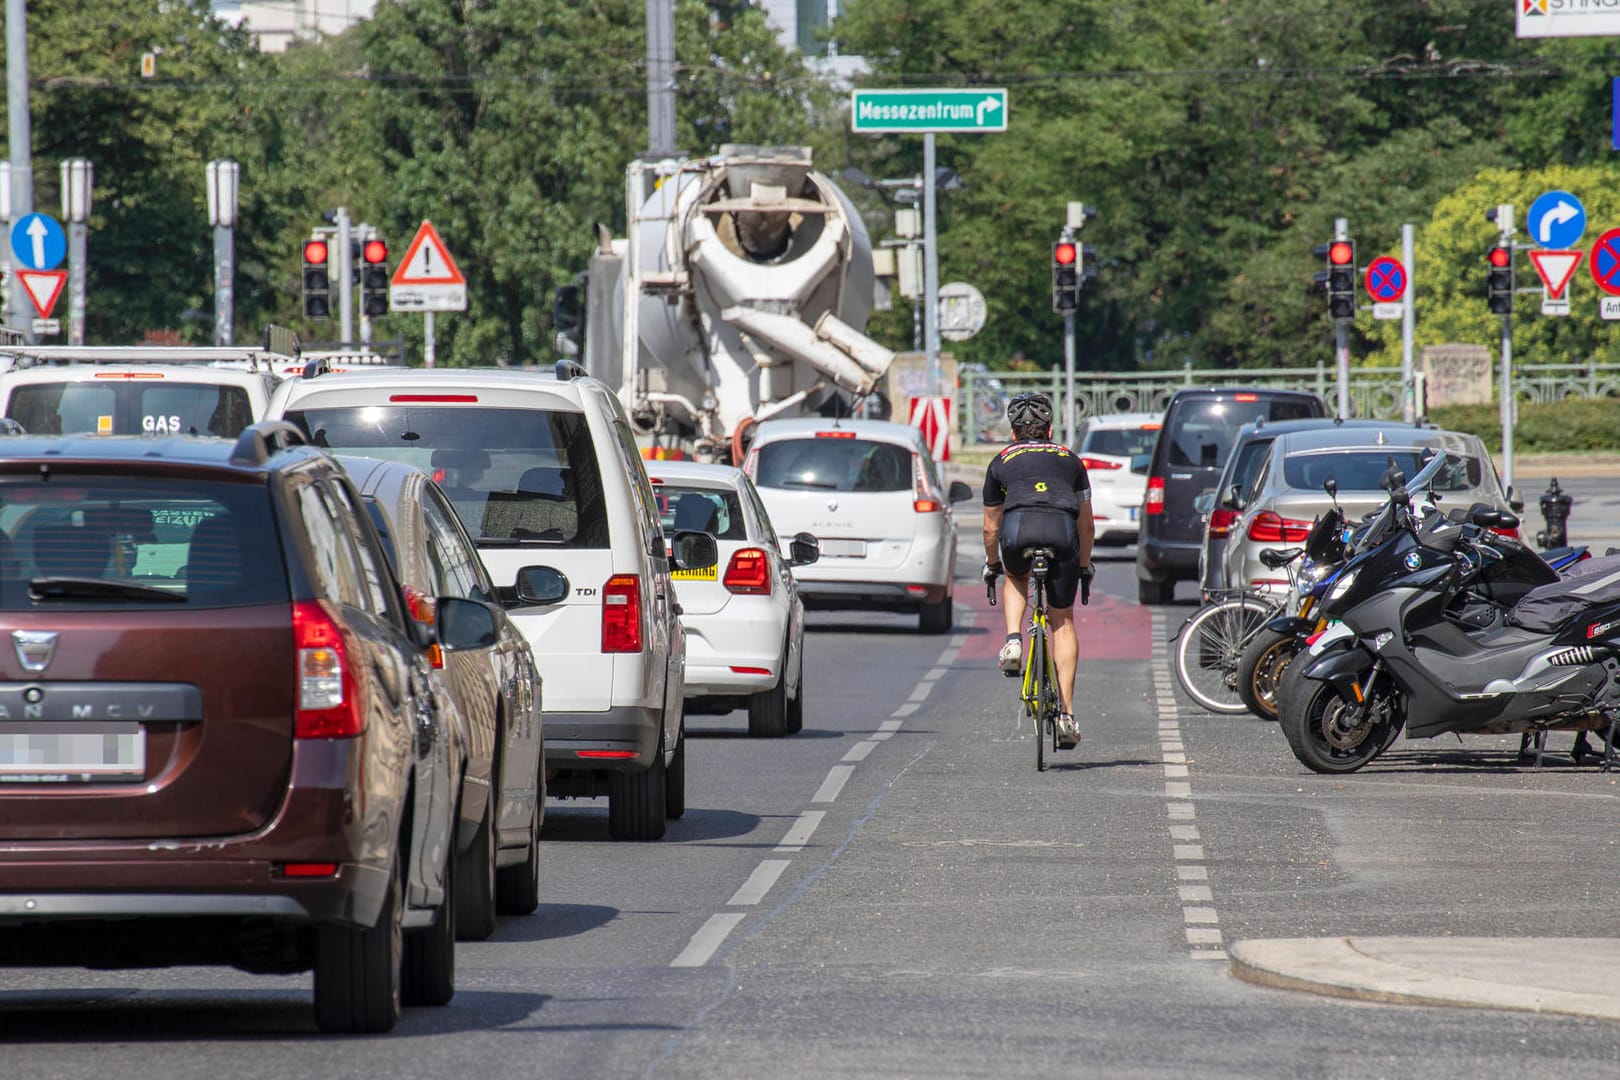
<point x="1037" y="475"/>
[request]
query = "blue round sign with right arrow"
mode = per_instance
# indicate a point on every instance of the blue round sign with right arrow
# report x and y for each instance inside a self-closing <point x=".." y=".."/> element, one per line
<point x="1557" y="220"/>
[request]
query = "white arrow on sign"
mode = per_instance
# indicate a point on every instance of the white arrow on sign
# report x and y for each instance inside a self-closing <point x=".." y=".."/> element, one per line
<point x="1556" y="216"/>
<point x="37" y="232"/>
<point x="1555" y="269"/>
<point x="989" y="104"/>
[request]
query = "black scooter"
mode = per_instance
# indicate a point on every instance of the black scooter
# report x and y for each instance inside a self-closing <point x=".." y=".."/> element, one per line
<point x="1411" y="660"/>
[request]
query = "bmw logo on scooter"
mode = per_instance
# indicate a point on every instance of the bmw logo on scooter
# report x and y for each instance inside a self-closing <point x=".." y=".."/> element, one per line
<point x="1413" y="560"/>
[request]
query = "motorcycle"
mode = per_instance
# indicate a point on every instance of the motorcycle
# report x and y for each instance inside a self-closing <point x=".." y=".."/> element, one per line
<point x="1529" y="652"/>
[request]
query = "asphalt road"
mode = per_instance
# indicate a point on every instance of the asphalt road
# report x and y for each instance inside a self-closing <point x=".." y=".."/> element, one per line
<point x="898" y="893"/>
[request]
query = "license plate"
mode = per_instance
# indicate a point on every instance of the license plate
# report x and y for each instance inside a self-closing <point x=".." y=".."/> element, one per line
<point x="708" y="573"/>
<point x="1132" y="511"/>
<point x="845" y="549"/>
<point x="84" y="752"/>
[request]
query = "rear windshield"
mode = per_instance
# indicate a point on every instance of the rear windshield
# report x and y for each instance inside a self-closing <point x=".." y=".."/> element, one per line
<point x="514" y="476"/>
<point x="1360" y="470"/>
<point x="707" y="509"/>
<point x="131" y="407"/>
<point x="1202" y="429"/>
<point x="835" y="464"/>
<point x="1120" y="442"/>
<point x="133" y="541"/>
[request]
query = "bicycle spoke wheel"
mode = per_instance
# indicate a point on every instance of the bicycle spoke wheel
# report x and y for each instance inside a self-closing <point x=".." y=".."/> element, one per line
<point x="1043" y="695"/>
<point x="1210" y="649"/>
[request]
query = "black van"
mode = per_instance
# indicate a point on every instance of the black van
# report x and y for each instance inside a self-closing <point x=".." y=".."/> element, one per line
<point x="1199" y="428"/>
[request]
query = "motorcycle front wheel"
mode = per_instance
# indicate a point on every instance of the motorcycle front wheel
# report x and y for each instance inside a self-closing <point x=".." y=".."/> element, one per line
<point x="1260" y="670"/>
<point x="1330" y="735"/>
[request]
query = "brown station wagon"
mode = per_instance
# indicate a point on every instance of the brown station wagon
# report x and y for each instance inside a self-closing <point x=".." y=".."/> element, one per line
<point x="221" y="741"/>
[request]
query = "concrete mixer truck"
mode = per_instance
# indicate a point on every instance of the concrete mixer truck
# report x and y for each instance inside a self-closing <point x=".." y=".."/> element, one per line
<point x="739" y="293"/>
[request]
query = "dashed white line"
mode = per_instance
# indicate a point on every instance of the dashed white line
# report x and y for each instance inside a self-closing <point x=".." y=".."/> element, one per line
<point x="1187" y="852"/>
<point x="1187" y="833"/>
<point x="860" y="750"/>
<point x="1193" y="893"/>
<point x="1205" y="915"/>
<point x="701" y="949"/>
<point x="1192" y="873"/>
<point x="919" y="693"/>
<point x="934" y="673"/>
<point x="904" y="710"/>
<point x="800" y="831"/>
<point x="759" y="882"/>
<point x="837" y="777"/>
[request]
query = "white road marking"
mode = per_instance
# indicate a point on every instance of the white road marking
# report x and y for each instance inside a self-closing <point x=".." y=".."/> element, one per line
<point x="837" y="777"/>
<point x="1205" y="915"/>
<point x="1175" y="770"/>
<point x="1192" y="873"/>
<point x="1174" y="757"/>
<point x="958" y="640"/>
<point x="1178" y="791"/>
<point x="1187" y="833"/>
<point x="1190" y="893"/>
<point x="701" y="949"/>
<point x="1198" y="935"/>
<point x="859" y="751"/>
<point x="1187" y="852"/>
<point x="1207" y="954"/>
<point x="904" y="710"/>
<point x="948" y="657"/>
<point x="1180" y="810"/>
<point x="759" y="882"/>
<point x="934" y="673"/>
<point x="800" y="831"/>
<point x="919" y="693"/>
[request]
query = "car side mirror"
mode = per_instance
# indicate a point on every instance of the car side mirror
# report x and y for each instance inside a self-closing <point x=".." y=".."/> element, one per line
<point x="1205" y="502"/>
<point x="1140" y="463"/>
<point x="695" y="550"/>
<point x="805" y="549"/>
<point x="960" y="492"/>
<point x="541" y="585"/>
<point x="1234" y="497"/>
<point x="1514" y="500"/>
<point x="466" y="624"/>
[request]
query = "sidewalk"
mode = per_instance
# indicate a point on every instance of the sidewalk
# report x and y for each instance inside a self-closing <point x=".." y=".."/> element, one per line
<point x="1569" y="976"/>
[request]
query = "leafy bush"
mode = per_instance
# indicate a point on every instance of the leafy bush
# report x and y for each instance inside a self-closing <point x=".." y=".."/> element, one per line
<point x="1543" y="428"/>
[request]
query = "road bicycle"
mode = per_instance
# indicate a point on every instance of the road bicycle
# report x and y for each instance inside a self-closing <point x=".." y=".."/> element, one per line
<point x="1039" y="691"/>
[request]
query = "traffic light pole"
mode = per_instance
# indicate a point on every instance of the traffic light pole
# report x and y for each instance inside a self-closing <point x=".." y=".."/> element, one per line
<point x="1068" y="379"/>
<point x="1341" y="334"/>
<point x="345" y="278"/>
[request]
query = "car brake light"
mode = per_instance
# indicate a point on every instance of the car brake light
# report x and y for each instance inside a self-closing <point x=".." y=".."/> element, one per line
<point x="421" y="607"/>
<point x="835" y="434"/>
<point x="1152" y="427"/>
<point x="621" y="614"/>
<point x="1155" y="496"/>
<point x="1511" y="534"/>
<point x="129" y="375"/>
<point x="458" y="398"/>
<point x="926" y="506"/>
<point x="329" y="704"/>
<point x="309" y="869"/>
<point x="1245" y="397"/>
<point x="750" y="670"/>
<point x="616" y="755"/>
<point x="1099" y="463"/>
<point x="749" y="572"/>
<point x="1221" y="521"/>
<point x="1271" y="528"/>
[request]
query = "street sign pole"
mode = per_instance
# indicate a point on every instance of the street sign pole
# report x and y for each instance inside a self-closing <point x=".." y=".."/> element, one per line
<point x="1409" y="402"/>
<point x="427" y="339"/>
<point x="1068" y="379"/>
<point x="344" y="285"/>
<point x="930" y="270"/>
<point x="1341" y="335"/>
<point x="21" y="137"/>
<point x="1504" y="221"/>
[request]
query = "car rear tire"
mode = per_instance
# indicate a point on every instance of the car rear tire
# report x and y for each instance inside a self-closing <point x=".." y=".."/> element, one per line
<point x="636" y="802"/>
<point x="675" y="780"/>
<point x="517" y="888"/>
<point x="936" y="618"/>
<point x="357" y="969"/>
<point x="767" y="711"/>
<point x="428" y="967"/>
<point x="1152" y="591"/>
<point x="475" y="880"/>
<point x="795" y="709"/>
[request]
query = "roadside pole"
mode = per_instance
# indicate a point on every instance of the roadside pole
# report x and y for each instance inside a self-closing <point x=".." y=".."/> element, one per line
<point x="930" y="270"/>
<point x="428" y="357"/>
<point x="21" y="138"/>
<point x="1341" y="335"/>
<point x="1068" y="379"/>
<point x="224" y="178"/>
<point x="1410" y="403"/>
<point x="345" y="278"/>
<point x="1504" y="222"/>
<point x="77" y="177"/>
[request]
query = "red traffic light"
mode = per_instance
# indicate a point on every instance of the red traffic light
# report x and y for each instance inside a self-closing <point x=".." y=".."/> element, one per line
<point x="1500" y="257"/>
<point x="1063" y="253"/>
<point x="375" y="251"/>
<point x="315" y="251"/>
<point x="1341" y="253"/>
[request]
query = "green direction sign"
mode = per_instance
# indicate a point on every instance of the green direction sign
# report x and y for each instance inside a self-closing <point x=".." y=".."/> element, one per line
<point x="873" y="111"/>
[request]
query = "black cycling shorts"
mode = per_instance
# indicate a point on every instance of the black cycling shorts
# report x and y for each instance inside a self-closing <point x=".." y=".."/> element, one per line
<point x="1024" y="529"/>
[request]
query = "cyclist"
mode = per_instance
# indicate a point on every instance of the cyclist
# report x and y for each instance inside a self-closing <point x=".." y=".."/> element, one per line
<point x="1037" y="494"/>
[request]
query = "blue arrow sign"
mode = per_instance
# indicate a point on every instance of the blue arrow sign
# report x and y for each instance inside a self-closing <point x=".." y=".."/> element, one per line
<point x="1557" y="220"/>
<point x="38" y="242"/>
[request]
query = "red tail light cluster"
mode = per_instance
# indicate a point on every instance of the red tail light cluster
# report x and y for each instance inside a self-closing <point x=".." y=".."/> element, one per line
<point x="749" y="573"/>
<point x="621" y="614"/>
<point x="1155" y="496"/>
<point x="329" y="705"/>
<point x="1270" y="528"/>
<point x="1511" y="534"/>
<point x="1221" y="521"/>
<point x="1092" y="464"/>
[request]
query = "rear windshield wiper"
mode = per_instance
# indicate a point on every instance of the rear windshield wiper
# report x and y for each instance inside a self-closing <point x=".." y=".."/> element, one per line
<point x="810" y="484"/>
<point x="69" y="588"/>
<point x="517" y="541"/>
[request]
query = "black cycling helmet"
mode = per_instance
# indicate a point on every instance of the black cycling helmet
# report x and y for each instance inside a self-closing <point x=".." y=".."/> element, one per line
<point x="1030" y="409"/>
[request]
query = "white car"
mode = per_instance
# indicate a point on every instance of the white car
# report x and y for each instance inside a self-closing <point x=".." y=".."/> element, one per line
<point x="743" y="617"/>
<point x="872" y="494"/>
<point x="1108" y="442"/>
<point x="545" y="476"/>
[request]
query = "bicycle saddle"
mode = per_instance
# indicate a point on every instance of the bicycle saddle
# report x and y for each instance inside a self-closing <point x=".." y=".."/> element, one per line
<point x="1033" y="552"/>
<point x="1275" y="558"/>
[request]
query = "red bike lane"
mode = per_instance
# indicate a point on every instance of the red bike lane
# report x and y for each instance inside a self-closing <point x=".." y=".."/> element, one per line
<point x="1110" y="628"/>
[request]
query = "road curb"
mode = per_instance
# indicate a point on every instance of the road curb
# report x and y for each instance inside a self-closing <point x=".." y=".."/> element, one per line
<point x="1566" y="976"/>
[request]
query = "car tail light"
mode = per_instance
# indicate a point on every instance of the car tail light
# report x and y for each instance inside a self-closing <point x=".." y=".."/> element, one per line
<point x="1245" y="397"/>
<point x="1155" y="496"/>
<point x="749" y="573"/>
<point x="621" y="614"/>
<point x="421" y="607"/>
<point x="329" y="704"/>
<point x="926" y="506"/>
<point x="925" y="499"/>
<point x="613" y="755"/>
<point x="1221" y="521"/>
<point x="1270" y="528"/>
<point x="750" y="670"/>
<point x="309" y="869"/>
<point x="1099" y="463"/>
<point x="835" y="434"/>
<point x="461" y="399"/>
<point x="1511" y="534"/>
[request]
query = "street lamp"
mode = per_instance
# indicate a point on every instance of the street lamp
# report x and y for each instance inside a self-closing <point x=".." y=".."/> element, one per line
<point x="78" y="176"/>
<point x="224" y="179"/>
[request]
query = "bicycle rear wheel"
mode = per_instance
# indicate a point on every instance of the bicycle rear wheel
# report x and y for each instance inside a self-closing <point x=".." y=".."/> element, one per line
<point x="1044" y="694"/>
<point x="1210" y="650"/>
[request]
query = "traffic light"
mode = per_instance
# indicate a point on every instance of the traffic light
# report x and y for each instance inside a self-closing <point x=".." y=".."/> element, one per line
<point x="1341" y="257"/>
<point x="317" y="281"/>
<point x="1088" y="263"/>
<point x="374" y="278"/>
<point x="1065" y="276"/>
<point x="1499" y="280"/>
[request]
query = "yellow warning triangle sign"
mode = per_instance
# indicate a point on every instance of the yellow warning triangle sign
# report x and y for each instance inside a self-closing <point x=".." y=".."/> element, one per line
<point x="427" y="261"/>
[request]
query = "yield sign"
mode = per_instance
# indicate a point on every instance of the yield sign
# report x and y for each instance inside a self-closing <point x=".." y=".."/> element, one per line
<point x="1556" y="268"/>
<point x="427" y="261"/>
<point x="43" y="287"/>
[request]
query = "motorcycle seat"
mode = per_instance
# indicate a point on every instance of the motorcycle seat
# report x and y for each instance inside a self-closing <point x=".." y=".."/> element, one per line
<point x="1276" y="558"/>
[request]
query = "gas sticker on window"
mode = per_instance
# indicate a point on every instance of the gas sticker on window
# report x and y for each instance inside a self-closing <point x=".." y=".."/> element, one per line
<point x="161" y="425"/>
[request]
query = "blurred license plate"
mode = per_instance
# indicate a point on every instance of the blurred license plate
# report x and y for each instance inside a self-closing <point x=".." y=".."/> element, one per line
<point x="65" y="753"/>
<point x="1132" y="511"/>
<point x="848" y="549"/>
<point x="708" y="573"/>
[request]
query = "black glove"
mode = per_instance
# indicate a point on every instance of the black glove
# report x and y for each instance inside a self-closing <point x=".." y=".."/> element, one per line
<point x="992" y="571"/>
<point x="1086" y="574"/>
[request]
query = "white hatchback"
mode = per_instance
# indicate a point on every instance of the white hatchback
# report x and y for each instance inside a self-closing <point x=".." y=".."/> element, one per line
<point x="743" y="617"/>
<point x="872" y="494"/>
<point x="1108" y="443"/>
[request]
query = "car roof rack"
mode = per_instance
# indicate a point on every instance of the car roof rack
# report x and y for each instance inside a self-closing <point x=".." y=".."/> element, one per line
<point x="258" y="441"/>
<point x="250" y="358"/>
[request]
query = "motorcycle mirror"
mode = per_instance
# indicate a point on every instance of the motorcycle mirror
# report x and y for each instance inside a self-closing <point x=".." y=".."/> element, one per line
<point x="1331" y="486"/>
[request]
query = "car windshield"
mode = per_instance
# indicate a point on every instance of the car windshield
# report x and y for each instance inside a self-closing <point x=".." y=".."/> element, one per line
<point x="154" y="405"/>
<point x="834" y="463"/>
<point x="132" y="541"/>
<point x="514" y="476"/>
<point x="711" y="510"/>
<point x="1202" y="430"/>
<point x="1120" y="442"/>
<point x="1360" y="470"/>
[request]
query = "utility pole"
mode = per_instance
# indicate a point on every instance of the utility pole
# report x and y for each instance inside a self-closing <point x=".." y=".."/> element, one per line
<point x="223" y="182"/>
<point x="930" y="269"/>
<point x="345" y="277"/>
<point x="661" y="79"/>
<point x="1341" y="333"/>
<point x="21" y="136"/>
<point x="77" y="178"/>
<point x="1503" y="216"/>
<point x="1409" y="402"/>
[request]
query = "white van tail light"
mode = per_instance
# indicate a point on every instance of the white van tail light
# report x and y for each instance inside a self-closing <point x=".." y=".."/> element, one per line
<point x="621" y="614"/>
<point x="1155" y="496"/>
<point x="329" y="704"/>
